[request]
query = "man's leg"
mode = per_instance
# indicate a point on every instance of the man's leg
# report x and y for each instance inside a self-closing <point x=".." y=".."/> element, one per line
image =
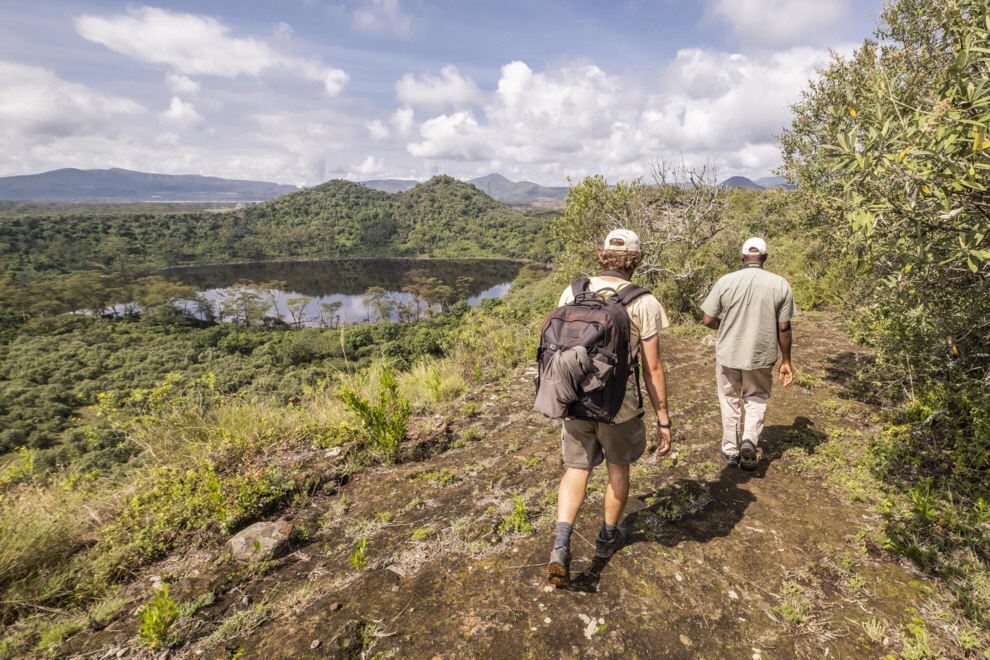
<point x="756" y="387"/>
<point x="570" y="495"/>
<point x="581" y="452"/>
<point x="616" y="493"/>
<point x="729" y="383"/>
<point x="624" y="443"/>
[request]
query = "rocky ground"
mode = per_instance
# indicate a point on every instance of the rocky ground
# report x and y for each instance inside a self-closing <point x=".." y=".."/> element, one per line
<point x="435" y="557"/>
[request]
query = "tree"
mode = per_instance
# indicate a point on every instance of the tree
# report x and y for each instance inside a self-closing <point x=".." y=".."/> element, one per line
<point x="677" y="220"/>
<point x="330" y="313"/>
<point x="297" y="309"/>
<point x="891" y="150"/>
<point x="273" y="291"/>
<point x="378" y="302"/>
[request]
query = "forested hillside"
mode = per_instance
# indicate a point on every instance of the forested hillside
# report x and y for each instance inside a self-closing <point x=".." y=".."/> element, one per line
<point x="443" y="217"/>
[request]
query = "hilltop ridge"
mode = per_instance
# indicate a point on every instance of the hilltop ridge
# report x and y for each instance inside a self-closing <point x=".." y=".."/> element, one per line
<point x="116" y="184"/>
<point x="442" y="217"/>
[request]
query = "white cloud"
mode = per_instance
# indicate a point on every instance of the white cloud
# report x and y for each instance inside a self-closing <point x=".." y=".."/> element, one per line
<point x="780" y="22"/>
<point x="179" y="84"/>
<point x="199" y="45"/>
<point x="579" y="119"/>
<point x="37" y="104"/>
<point x="377" y="129"/>
<point x="404" y="121"/>
<point x="167" y="139"/>
<point x="377" y="16"/>
<point x="370" y="167"/>
<point x="453" y="137"/>
<point x="182" y="114"/>
<point x="450" y="88"/>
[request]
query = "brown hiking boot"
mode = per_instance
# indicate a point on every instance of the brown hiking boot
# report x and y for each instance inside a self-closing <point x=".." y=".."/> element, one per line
<point x="748" y="458"/>
<point x="605" y="549"/>
<point x="559" y="570"/>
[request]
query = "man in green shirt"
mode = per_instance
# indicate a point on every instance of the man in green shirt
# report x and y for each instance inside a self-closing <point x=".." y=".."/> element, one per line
<point x="752" y="311"/>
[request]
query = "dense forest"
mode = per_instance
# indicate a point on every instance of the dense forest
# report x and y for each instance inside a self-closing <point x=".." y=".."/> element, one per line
<point x="443" y="217"/>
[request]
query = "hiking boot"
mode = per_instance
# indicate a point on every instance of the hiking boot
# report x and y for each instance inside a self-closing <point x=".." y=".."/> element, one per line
<point x="559" y="570"/>
<point x="731" y="460"/>
<point x="747" y="456"/>
<point x="605" y="549"/>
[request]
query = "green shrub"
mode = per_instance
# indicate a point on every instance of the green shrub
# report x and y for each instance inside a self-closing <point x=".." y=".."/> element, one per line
<point x="384" y="420"/>
<point x="156" y="618"/>
<point x="518" y="520"/>
<point x="357" y="557"/>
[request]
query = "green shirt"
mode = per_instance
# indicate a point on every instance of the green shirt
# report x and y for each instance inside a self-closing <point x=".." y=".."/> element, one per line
<point x="750" y="303"/>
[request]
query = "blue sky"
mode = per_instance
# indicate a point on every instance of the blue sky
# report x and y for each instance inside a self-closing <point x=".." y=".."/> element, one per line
<point x="301" y="91"/>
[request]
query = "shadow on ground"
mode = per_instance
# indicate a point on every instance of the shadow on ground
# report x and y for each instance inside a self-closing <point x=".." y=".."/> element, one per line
<point x="700" y="511"/>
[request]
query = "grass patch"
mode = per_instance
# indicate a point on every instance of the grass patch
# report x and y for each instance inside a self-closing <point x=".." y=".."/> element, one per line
<point x="237" y="624"/>
<point x="518" y="520"/>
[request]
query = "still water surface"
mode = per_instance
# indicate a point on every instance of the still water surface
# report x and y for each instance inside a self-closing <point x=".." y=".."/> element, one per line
<point x="346" y="280"/>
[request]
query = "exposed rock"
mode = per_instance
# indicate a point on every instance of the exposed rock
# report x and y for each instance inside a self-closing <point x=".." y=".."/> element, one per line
<point x="260" y="541"/>
<point x="335" y="606"/>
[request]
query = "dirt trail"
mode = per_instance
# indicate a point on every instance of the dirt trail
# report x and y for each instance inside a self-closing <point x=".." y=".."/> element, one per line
<point x="721" y="564"/>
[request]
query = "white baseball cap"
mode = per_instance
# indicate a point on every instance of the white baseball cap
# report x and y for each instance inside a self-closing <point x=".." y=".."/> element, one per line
<point x="622" y="240"/>
<point x="754" y="246"/>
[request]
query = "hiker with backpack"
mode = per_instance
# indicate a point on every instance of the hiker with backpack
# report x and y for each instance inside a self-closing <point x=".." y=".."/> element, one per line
<point x="752" y="311"/>
<point x="595" y="347"/>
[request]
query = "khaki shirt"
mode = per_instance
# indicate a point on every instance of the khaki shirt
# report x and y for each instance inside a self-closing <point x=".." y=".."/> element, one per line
<point x="646" y="318"/>
<point x="750" y="303"/>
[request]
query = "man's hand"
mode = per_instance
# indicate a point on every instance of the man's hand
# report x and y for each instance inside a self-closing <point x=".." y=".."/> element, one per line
<point x="786" y="373"/>
<point x="663" y="442"/>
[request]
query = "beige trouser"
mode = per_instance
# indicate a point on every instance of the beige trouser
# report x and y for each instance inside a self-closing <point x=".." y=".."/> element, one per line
<point x="738" y="390"/>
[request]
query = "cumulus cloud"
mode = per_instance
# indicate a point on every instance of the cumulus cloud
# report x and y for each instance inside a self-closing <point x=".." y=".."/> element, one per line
<point x="167" y="139"/>
<point x="580" y="119"/>
<point x="454" y="137"/>
<point x="779" y="22"/>
<point x="369" y="167"/>
<point x="377" y="129"/>
<point x="450" y="88"/>
<point x="179" y="84"/>
<point x="377" y="16"/>
<point x="199" y="45"/>
<point x="182" y="114"/>
<point x="37" y="104"/>
<point x="404" y="121"/>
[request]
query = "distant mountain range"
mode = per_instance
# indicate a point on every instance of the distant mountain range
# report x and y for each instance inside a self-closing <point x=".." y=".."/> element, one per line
<point x="493" y="185"/>
<point x="117" y="185"/>
<point x="517" y="192"/>
<point x="763" y="183"/>
<point x="391" y="185"/>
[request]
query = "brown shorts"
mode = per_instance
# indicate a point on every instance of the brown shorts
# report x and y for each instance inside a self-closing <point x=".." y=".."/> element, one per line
<point x="586" y="444"/>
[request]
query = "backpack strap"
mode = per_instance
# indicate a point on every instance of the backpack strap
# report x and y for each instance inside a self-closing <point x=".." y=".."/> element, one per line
<point x="580" y="286"/>
<point x="629" y="293"/>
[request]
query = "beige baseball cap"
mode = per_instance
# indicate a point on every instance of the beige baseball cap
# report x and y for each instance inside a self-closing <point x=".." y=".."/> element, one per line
<point x="622" y="240"/>
<point x="754" y="246"/>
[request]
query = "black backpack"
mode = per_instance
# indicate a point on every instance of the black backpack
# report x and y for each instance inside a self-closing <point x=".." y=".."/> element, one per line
<point x="600" y="326"/>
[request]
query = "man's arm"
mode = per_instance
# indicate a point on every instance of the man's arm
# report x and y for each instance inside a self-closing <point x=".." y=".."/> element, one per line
<point x="656" y="387"/>
<point x="784" y="339"/>
<point x="711" y="322"/>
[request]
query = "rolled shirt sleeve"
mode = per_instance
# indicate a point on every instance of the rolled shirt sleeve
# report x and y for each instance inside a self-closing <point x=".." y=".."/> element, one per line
<point x="787" y="309"/>
<point x="713" y="303"/>
<point x="651" y="316"/>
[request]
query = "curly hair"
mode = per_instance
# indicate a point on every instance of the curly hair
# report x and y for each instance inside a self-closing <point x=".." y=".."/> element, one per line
<point x="619" y="260"/>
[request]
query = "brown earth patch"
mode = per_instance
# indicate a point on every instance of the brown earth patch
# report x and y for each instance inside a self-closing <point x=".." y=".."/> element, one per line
<point x="721" y="563"/>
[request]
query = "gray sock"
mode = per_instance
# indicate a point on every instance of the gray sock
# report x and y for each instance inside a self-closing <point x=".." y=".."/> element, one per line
<point x="563" y="539"/>
<point x="608" y="532"/>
